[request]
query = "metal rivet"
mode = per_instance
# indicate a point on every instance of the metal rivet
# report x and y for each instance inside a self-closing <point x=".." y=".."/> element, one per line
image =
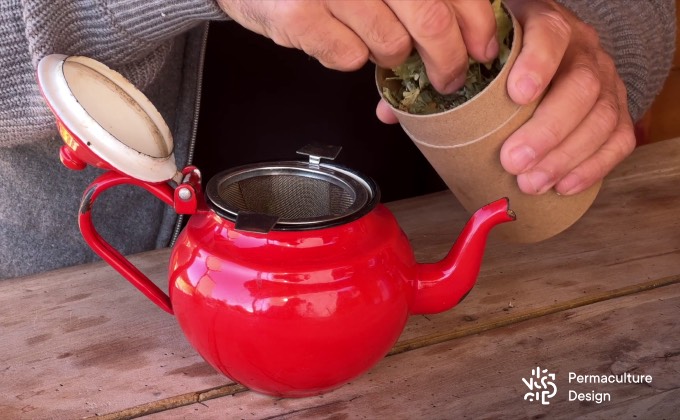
<point x="184" y="194"/>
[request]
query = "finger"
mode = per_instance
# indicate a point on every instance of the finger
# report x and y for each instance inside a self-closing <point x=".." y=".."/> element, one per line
<point x="617" y="147"/>
<point x="311" y="27"/>
<point x="384" y="113"/>
<point x="582" y="143"/>
<point x="386" y="38"/>
<point x="434" y="29"/>
<point x="478" y="28"/>
<point x="250" y="15"/>
<point x="346" y="51"/>
<point x="595" y="168"/>
<point x="571" y="97"/>
<point x="545" y="40"/>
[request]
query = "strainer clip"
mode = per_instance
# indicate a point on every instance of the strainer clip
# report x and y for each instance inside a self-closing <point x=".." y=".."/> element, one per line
<point x="317" y="151"/>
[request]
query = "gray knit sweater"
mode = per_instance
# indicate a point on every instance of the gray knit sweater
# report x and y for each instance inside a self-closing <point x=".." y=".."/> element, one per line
<point x="157" y="45"/>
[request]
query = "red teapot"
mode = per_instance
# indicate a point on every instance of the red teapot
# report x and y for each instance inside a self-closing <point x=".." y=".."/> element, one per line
<point x="289" y="277"/>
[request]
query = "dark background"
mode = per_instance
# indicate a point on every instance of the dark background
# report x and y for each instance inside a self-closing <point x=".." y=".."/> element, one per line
<point x="262" y="102"/>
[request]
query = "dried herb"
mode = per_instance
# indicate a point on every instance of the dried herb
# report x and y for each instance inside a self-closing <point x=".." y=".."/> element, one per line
<point x="416" y="95"/>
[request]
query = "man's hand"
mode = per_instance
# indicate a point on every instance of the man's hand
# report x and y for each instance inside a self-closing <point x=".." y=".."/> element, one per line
<point x="345" y="34"/>
<point x="579" y="132"/>
<point x="582" y="129"/>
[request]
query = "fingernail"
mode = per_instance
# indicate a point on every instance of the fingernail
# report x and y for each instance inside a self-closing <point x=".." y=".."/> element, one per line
<point x="456" y="84"/>
<point x="521" y="157"/>
<point x="492" y="49"/>
<point x="569" y="184"/>
<point x="540" y="181"/>
<point x="528" y="87"/>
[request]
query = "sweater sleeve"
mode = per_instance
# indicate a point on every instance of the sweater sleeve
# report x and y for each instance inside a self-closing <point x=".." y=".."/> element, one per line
<point x="640" y="37"/>
<point x="132" y="36"/>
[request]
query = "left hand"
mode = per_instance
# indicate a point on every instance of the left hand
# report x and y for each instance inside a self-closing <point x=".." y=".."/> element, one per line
<point x="582" y="128"/>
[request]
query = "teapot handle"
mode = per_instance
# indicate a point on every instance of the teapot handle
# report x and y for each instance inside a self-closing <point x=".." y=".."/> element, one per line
<point x="121" y="264"/>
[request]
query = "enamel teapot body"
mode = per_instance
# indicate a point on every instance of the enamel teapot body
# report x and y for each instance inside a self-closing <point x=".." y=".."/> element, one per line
<point x="311" y="310"/>
<point x="288" y="310"/>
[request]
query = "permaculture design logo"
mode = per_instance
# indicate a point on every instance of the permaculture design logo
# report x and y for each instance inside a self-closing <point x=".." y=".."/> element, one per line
<point x="541" y="386"/>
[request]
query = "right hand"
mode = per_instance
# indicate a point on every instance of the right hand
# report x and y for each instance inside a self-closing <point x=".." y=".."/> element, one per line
<point x="345" y="34"/>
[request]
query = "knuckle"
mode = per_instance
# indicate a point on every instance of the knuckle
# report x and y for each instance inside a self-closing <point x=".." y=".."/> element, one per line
<point x="290" y="14"/>
<point x="565" y="156"/>
<point x="607" y="113"/>
<point x="280" y="38"/>
<point x="341" y="57"/>
<point x="627" y="143"/>
<point x="558" y="23"/>
<point x="432" y="18"/>
<point x="550" y="133"/>
<point x="587" y="80"/>
<point x="353" y="59"/>
<point x="289" y="26"/>
<point x="392" y="47"/>
<point x="614" y="151"/>
<point x="584" y="86"/>
<point x="589" y="33"/>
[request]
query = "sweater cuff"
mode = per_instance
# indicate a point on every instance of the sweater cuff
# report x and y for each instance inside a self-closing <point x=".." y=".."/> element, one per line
<point x="124" y="34"/>
<point x="113" y="31"/>
<point x="153" y="21"/>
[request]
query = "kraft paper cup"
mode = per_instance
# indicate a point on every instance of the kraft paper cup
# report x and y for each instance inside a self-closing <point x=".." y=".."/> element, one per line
<point x="463" y="145"/>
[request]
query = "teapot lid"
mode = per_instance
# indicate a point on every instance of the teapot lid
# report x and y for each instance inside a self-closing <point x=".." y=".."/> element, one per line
<point x="105" y="120"/>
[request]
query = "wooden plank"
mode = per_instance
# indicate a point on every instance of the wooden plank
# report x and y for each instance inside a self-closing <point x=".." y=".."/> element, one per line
<point x="80" y="341"/>
<point x="481" y="376"/>
<point x="100" y="347"/>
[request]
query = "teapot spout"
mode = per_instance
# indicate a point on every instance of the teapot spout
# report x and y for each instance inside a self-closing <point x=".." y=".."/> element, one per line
<point x="441" y="285"/>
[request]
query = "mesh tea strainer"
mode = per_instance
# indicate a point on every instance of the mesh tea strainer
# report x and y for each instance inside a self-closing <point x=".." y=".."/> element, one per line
<point x="292" y="195"/>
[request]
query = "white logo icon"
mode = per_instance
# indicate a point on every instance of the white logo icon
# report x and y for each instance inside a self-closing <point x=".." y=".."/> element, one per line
<point x="541" y="386"/>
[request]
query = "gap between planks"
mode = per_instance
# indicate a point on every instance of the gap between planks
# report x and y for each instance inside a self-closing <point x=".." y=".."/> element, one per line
<point x="404" y="346"/>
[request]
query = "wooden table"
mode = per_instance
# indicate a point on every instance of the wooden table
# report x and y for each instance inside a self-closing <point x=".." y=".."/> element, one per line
<point x="602" y="298"/>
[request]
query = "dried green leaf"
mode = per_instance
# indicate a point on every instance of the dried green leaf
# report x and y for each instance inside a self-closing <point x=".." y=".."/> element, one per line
<point x="387" y="94"/>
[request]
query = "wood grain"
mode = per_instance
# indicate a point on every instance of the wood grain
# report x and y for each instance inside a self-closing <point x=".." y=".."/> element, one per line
<point x="483" y="374"/>
<point x="81" y="341"/>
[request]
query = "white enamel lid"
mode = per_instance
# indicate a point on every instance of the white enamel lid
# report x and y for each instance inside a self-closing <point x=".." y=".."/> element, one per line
<point x="109" y="116"/>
